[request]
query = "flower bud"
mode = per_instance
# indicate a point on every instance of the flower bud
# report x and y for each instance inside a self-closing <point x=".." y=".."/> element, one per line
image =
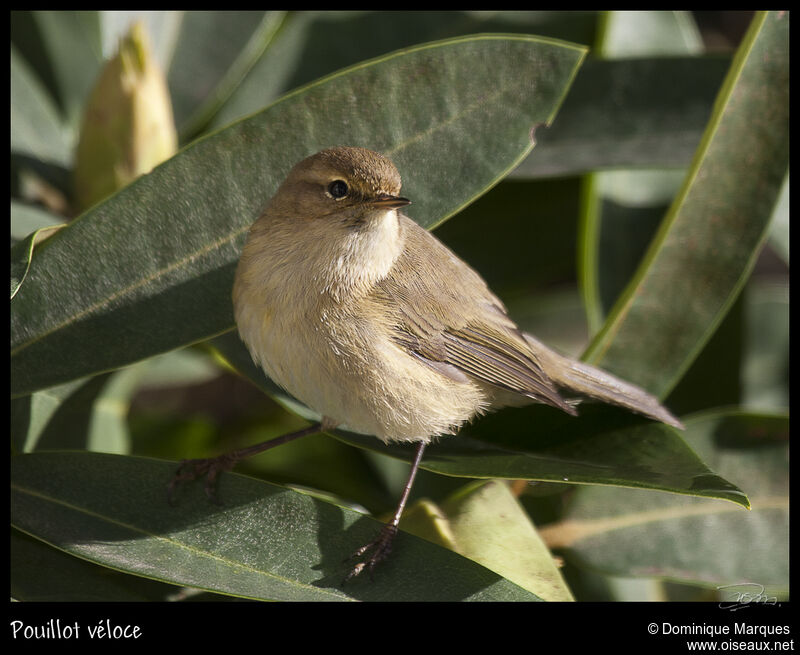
<point x="128" y="126"/>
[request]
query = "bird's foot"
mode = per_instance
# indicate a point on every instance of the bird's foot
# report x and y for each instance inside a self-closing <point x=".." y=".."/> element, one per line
<point x="378" y="550"/>
<point x="210" y="468"/>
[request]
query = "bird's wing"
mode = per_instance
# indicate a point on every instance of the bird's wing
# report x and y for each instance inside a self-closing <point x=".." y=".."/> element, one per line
<point x="444" y="314"/>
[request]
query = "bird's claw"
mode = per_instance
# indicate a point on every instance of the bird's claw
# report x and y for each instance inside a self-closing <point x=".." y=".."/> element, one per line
<point x="210" y="468"/>
<point x="380" y="548"/>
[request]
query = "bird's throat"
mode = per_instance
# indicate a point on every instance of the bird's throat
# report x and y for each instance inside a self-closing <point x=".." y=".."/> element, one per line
<point x="364" y="256"/>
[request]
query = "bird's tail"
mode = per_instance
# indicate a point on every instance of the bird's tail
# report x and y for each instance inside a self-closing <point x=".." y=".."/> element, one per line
<point x="594" y="383"/>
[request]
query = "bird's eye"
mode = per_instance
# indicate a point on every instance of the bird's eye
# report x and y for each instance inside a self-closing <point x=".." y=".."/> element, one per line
<point x="337" y="189"/>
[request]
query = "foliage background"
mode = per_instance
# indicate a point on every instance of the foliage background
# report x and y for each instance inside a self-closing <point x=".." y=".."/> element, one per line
<point x="558" y="240"/>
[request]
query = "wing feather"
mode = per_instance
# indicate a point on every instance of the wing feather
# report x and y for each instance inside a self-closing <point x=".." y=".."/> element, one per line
<point x="451" y="318"/>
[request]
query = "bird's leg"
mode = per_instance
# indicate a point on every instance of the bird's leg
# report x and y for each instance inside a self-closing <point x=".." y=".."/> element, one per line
<point x="210" y="468"/>
<point x="381" y="546"/>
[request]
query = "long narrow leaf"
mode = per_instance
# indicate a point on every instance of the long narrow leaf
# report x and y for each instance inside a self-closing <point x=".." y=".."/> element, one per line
<point x="714" y="230"/>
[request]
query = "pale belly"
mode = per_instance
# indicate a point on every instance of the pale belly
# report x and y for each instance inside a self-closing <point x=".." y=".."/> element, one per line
<point x="357" y="377"/>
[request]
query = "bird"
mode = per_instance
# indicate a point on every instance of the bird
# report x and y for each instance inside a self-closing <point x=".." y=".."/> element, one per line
<point x="370" y="320"/>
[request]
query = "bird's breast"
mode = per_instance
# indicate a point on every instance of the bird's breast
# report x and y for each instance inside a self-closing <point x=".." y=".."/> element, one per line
<point x="309" y="319"/>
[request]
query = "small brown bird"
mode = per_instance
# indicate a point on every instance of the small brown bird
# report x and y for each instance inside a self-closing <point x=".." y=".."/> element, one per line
<point x="370" y="320"/>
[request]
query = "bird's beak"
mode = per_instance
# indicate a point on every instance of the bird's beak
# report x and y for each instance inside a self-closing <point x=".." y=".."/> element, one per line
<point x="389" y="201"/>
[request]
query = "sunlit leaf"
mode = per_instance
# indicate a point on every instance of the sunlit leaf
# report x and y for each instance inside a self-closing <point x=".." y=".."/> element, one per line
<point x="483" y="521"/>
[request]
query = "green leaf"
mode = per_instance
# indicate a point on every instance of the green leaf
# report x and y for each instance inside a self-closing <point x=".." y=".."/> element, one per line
<point x="765" y="379"/>
<point x="312" y="44"/>
<point x="64" y="48"/>
<point x="265" y="542"/>
<point x="40" y="573"/>
<point x="605" y="446"/>
<point x="637" y="33"/>
<point x="170" y="240"/>
<point x="36" y="126"/>
<point x="714" y="230"/>
<point x="22" y="254"/>
<point x="623" y="208"/>
<point x="202" y="78"/>
<point x="88" y="415"/>
<point x="633" y="112"/>
<point x="92" y="413"/>
<point x="29" y="218"/>
<point x="640" y="533"/>
<point x="638" y="112"/>
<point x="779" y="226"/>
<point x="485" y="522"/>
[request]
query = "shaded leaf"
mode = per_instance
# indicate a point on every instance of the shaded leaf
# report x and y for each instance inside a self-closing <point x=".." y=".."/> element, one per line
<point x="604" y="446"/>
<point x="714" y="378"/>
<point x="765" y="379"/>
<point x="517" y="238"/>
<point x="87" y="414"/>
<point x="630" y="112"/>
<point x="92" y="413"/>
<point x="36" y="126"/>
<point x="178" y="368"/>
<point x="89" y="418"/>
<point x="266" y="542"/>
<point x="779" y="226"/>
<point x="40" y="573"/>
<point x="639" y="533"/>
<point x="64" y="48"/>
<point x="31" y="414"/>
<point x="213" y="53"/>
